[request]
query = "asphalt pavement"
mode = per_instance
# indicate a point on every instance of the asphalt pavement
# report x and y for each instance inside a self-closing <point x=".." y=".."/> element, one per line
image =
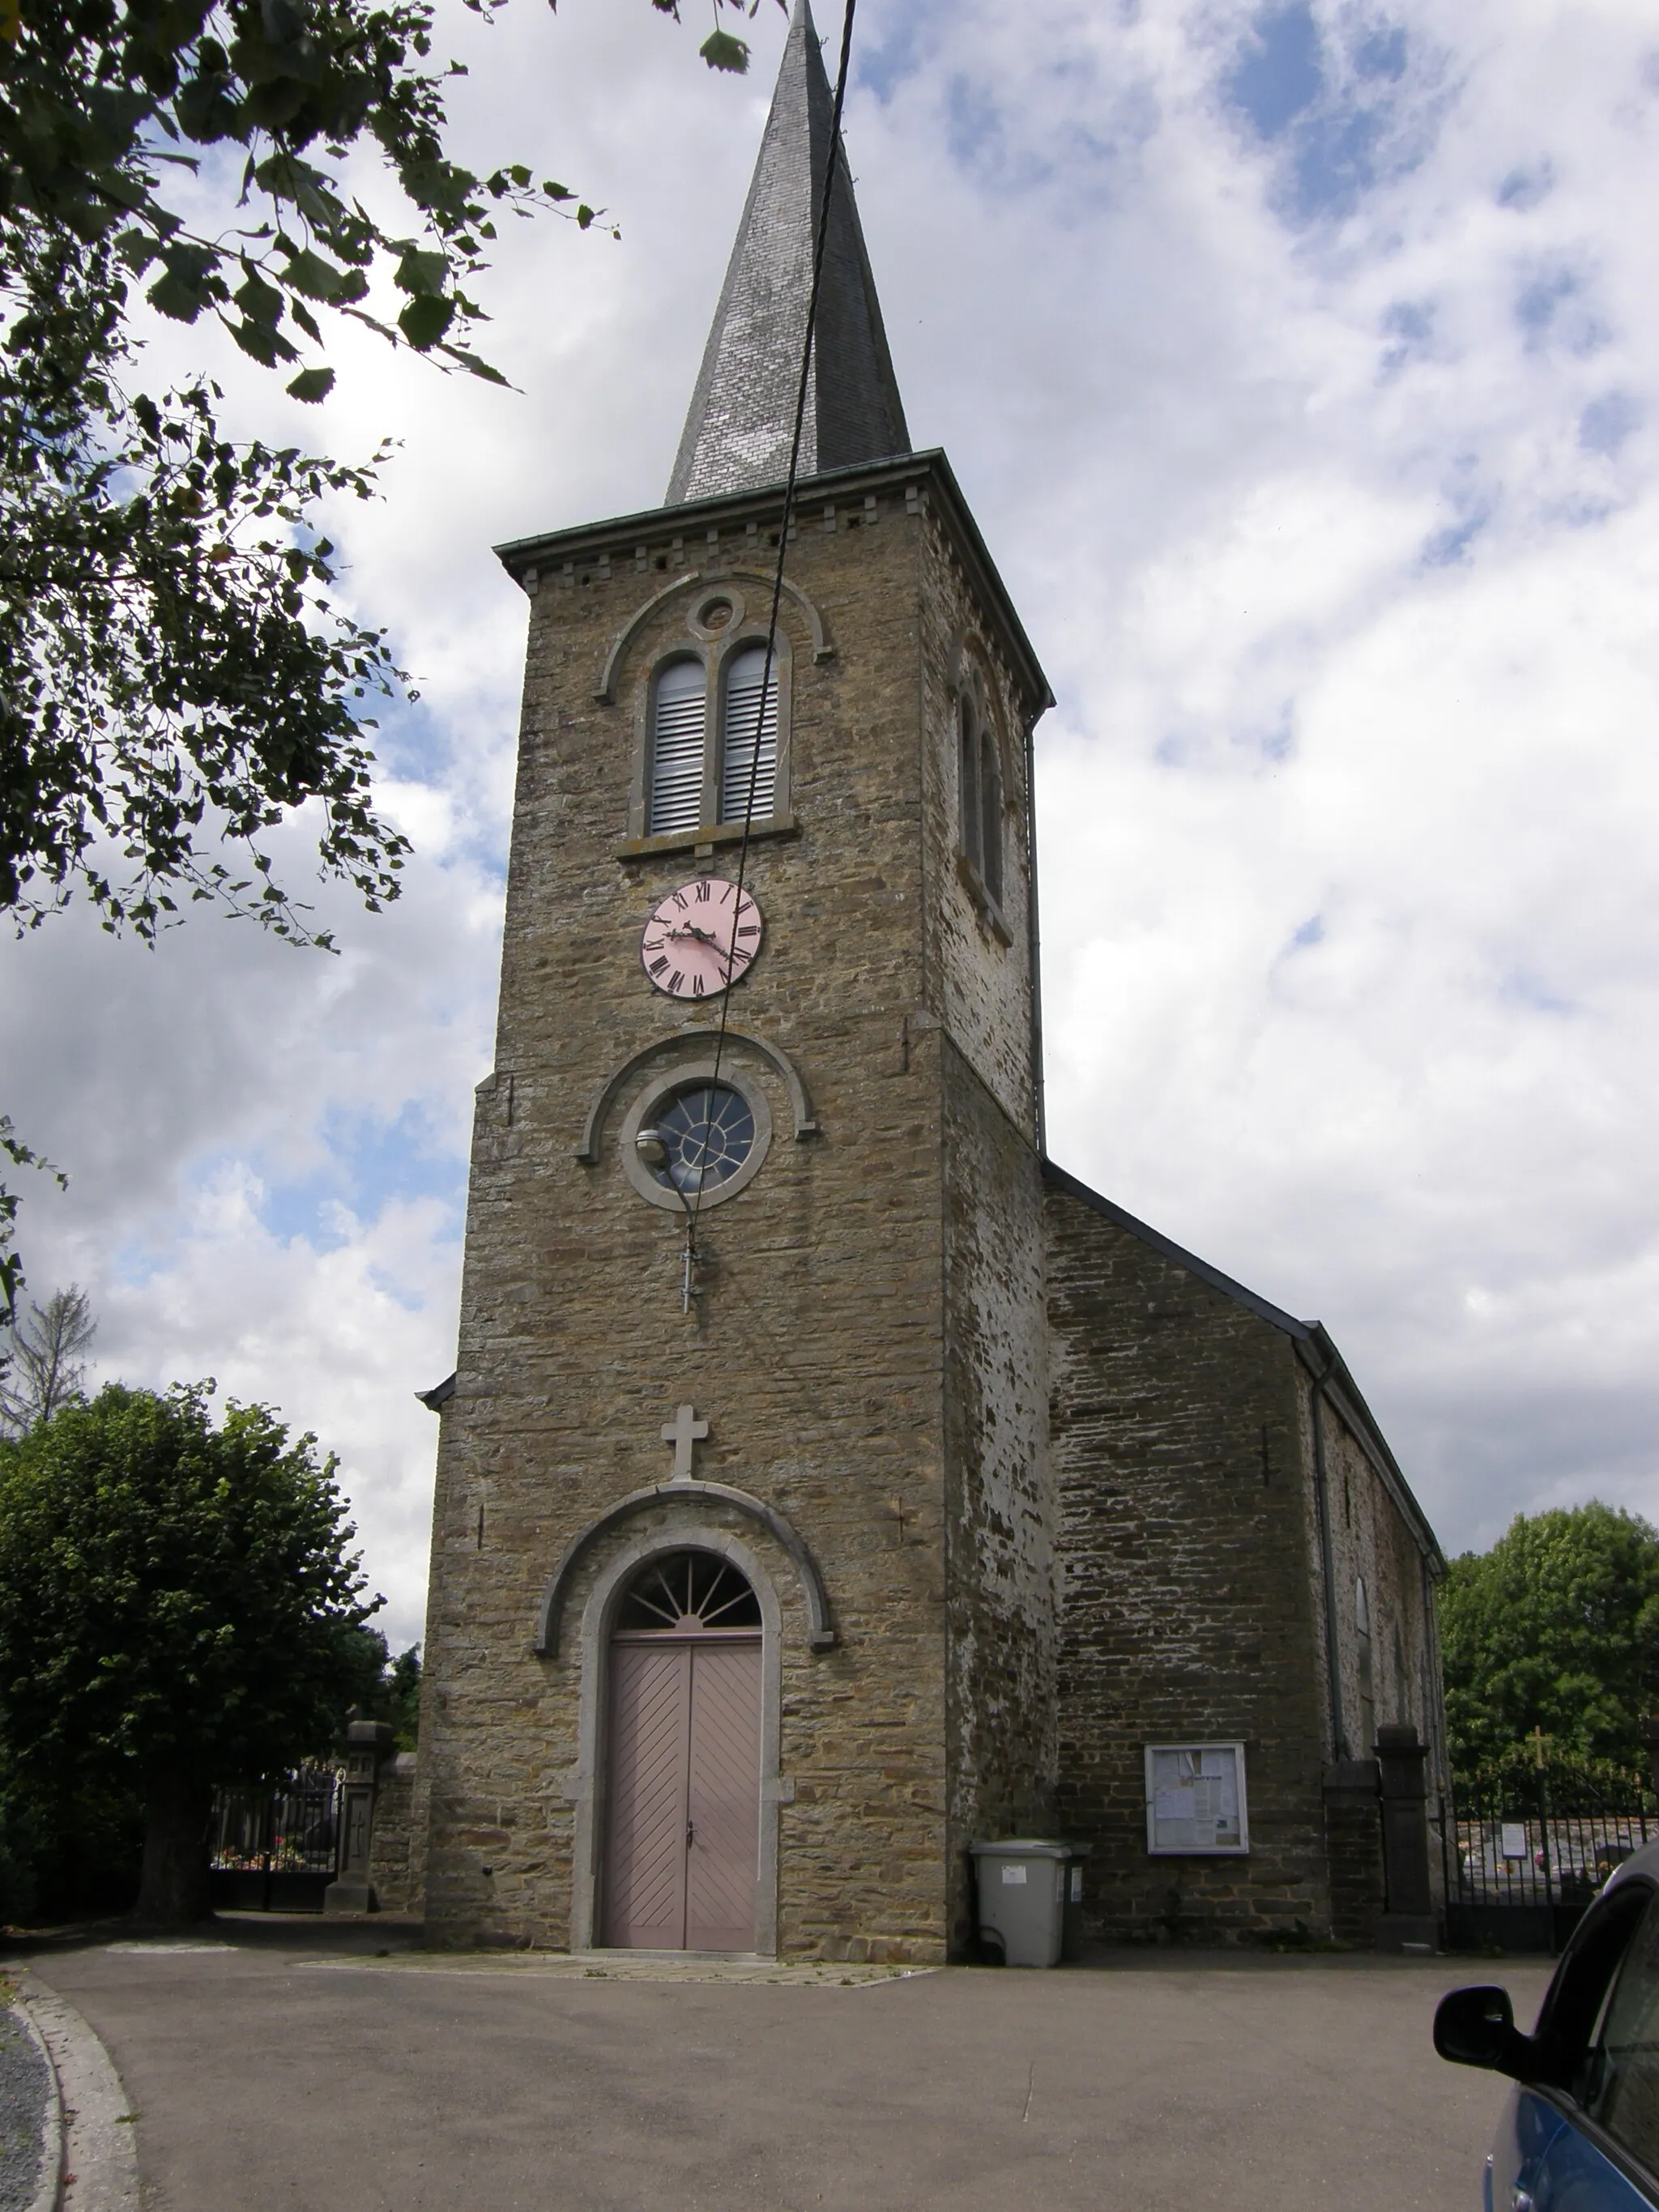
<point x="288" y="2068"/>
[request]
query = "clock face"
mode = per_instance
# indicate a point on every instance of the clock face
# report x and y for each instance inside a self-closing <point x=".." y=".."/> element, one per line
<point x="701" y="938"/>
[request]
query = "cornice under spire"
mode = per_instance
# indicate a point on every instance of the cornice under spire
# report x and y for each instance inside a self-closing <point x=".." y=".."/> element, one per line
<point x="743" y="412"/>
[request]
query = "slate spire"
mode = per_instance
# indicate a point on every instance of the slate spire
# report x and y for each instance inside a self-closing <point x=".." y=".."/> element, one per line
<point x="743" y="411"/>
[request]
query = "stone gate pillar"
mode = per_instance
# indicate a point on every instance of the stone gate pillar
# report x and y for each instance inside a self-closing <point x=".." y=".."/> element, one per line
<point x="1409" y="1922"/>
<point x="1353" y="1849"/>
<point x="368" y="1743"/>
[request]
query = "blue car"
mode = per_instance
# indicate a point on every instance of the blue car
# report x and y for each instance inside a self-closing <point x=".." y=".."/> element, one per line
<point x="1581" y="2130"/>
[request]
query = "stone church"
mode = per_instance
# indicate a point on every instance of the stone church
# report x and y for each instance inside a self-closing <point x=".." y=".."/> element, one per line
<point x="828" y="1479"/>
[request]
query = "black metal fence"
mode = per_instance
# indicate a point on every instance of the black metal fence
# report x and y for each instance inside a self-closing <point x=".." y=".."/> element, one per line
<point x="276" y="1849"/>
<point x="1528" y="1842"/>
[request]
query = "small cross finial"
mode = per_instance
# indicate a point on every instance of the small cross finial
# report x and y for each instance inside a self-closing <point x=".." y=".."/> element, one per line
<point x="684" y="1430"/>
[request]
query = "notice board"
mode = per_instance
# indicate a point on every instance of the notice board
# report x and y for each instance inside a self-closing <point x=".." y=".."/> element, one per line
<point x="1196" y="1799"/>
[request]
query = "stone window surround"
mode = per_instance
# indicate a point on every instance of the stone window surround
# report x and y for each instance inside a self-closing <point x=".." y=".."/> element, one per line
<point x="971" y="695"/>
<point x="716" y="651"/>
<point x="684" y="1529"/>
<point x="715" y="648"/>
<point x="676" y="1075"/>
<point x="696" y="1038"/>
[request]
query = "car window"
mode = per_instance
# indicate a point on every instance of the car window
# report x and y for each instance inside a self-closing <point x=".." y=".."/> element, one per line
<point x="1624" y="2078"/>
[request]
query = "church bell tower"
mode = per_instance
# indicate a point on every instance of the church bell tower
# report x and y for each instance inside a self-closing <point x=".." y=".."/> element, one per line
<point x="742" y="1607"/>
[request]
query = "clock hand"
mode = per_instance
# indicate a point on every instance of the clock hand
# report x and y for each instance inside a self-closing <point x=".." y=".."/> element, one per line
<point x="720" y="952"/>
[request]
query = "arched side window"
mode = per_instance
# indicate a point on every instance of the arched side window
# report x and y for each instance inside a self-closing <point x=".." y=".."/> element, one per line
<point x="980" y="780"/>
<point x="679" y="714"/>
<point x="749" y="725"/>
<point x="1362" y="1616"/>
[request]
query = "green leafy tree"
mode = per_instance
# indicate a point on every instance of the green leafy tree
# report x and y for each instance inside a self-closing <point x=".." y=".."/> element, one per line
<point x="1556" y="1628"/>
<point x="15" y="1153"/>
<point x="402" y="1706"/>
<point x="180" y="1607"/>
<point x="385" y="1689"/>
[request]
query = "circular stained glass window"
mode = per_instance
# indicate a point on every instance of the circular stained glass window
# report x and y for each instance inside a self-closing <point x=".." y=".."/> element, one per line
<point x="706" y="1132"/>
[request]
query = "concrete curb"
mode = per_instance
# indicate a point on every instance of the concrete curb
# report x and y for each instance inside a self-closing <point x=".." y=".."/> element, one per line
<point x="49" y="2188"/>
<point x="98" y="2160"/>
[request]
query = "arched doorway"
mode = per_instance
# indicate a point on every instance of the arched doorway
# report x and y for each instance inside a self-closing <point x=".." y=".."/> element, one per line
<point x="682" y="1802"/>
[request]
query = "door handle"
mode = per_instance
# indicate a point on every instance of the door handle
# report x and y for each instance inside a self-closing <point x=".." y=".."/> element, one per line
<point x="690" y="1834"/>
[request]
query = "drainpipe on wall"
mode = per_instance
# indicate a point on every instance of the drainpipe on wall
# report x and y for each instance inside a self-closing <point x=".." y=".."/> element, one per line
<point x="1436" y="1688"/>
<point x="1034" y="934"/>
<point x="1321" y="1493"/>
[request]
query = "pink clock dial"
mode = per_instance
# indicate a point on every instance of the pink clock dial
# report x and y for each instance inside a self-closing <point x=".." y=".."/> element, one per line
<point x="701" y="938"/>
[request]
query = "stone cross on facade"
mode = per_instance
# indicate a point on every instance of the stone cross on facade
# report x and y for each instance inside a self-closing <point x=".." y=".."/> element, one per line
<point x="684" y="1430"/>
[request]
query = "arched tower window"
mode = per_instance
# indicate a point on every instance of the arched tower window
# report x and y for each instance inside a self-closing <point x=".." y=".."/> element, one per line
<point x="981" y="788"/>
<point x="678" y="720"/>
<point x="746" y="729"/>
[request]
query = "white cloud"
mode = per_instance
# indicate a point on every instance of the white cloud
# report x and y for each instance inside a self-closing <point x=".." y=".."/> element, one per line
<point x="1319" y="453"/>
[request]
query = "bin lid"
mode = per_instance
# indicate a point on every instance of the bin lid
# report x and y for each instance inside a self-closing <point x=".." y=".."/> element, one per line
<point x="1025" y="1847"/>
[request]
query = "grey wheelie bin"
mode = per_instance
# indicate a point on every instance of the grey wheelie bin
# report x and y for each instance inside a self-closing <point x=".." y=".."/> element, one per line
<point x="1022" y="1885"/>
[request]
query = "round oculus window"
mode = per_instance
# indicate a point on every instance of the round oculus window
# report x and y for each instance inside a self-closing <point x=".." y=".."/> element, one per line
<point x="713" y="616"/>
<point x="694" y="1135"/>
<point x="705" y="1133"/>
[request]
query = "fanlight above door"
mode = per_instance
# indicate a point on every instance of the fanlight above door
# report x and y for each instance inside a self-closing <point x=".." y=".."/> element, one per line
<point x="687" y="1593"/>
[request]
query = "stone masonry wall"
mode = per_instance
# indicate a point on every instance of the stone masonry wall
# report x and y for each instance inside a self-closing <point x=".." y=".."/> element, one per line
<point x="979" y="956"/>
<point x="1000" y="1518"/>
<point x="1397" y="1679"/>
<point x="397" y="1844"/>
<point x="999" y="1508"/>
<point x="1187" y="1590"/>
<point x="1371" y="1541"/>
<point x="815" y="1345"/>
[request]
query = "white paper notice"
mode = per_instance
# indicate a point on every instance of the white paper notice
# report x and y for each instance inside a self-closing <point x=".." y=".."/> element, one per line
<point x="1196" y="1799"/>
<point x="1014" y="1873"/>
<point x="1515" y="1842"/>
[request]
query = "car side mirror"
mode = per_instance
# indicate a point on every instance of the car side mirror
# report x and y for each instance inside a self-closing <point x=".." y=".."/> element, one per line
<point x="1476" y="2027"/>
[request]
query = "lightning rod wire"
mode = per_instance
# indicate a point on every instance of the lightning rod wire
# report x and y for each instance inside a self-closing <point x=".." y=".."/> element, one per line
<point x="768" y="684"/>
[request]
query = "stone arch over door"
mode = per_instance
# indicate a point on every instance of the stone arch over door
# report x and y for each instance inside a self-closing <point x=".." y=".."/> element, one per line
<point x="684" y="1528"/>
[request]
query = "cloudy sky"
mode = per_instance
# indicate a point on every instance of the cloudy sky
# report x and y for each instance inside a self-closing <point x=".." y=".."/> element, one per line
<point x="1300" y="364"/>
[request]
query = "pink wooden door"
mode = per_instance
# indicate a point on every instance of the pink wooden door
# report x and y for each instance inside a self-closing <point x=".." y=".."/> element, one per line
<point x="683" y="1812"/>
<point x="723" y="1808"/>
<point x="645" y="1834"/>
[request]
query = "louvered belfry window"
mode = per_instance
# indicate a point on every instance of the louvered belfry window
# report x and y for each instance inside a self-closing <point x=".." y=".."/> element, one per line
<point x="679" y="715"/>
<point x="744" y="726"/>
